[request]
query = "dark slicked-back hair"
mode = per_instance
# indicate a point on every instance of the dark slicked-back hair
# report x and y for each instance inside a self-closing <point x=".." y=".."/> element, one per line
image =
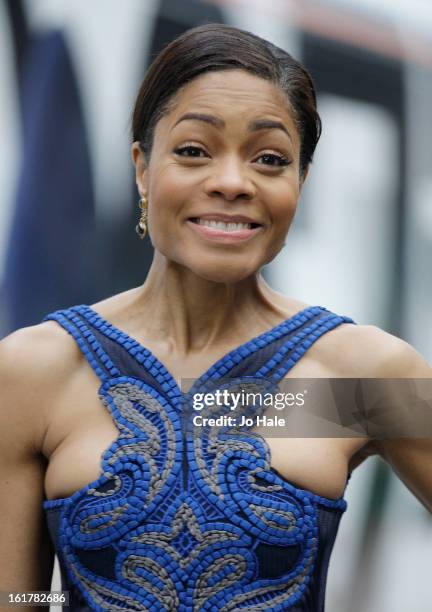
<point x="217" y="46"/>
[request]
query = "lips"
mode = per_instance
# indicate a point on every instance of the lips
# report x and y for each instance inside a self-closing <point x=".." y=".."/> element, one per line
<point x="224" y="221"/>
<point x="231" y="226"/>
<point x="224" y="228"/>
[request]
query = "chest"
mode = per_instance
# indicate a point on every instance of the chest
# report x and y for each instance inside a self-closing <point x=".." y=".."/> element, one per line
<point x="81" y="429"/>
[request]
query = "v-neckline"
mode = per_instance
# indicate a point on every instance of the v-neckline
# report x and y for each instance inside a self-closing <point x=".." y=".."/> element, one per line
<point x="134" y="347"/>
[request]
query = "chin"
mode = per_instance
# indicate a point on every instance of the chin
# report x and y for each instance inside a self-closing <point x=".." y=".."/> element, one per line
<point x="223" y="273"/>
<point x="222" y="267"/>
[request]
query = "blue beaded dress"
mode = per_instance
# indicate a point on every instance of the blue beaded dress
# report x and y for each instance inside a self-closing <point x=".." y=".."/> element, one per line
<point x="179" y="522"/>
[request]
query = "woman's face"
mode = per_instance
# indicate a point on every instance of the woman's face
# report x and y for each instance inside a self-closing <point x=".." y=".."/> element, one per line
<point x="223" y="179"/>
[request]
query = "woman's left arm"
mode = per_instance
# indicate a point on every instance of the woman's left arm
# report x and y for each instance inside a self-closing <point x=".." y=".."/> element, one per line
<point x="410" y="457"/>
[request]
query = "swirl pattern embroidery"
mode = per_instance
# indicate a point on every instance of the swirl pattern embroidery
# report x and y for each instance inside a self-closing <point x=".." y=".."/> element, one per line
<point x="185" y="519"/>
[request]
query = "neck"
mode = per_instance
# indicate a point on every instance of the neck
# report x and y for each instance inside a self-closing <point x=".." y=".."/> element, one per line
<point x="195" y="312"/>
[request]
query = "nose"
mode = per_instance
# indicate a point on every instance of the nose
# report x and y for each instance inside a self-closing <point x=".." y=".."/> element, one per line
<point x="230" y="179"/>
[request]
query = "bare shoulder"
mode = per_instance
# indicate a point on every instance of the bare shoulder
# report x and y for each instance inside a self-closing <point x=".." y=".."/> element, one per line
<point x="386" y="356"/>
<point x="370" y="352"/>
<point x="34" y="361"/>
<point x="37" y="351"/>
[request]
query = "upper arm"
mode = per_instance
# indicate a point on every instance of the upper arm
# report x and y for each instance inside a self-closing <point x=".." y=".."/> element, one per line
<point x="26" y="559"/>
<point x="411" y="460"/>
<point x="410" y="454"/>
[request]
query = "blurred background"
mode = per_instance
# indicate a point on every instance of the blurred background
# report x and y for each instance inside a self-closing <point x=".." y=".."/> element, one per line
<point x="361" y="243"/>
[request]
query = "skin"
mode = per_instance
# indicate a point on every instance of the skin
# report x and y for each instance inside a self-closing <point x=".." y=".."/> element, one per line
<point x="202" y="298"/>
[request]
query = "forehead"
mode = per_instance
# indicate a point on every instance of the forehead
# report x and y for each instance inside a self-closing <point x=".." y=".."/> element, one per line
<point x="232" y="94"/>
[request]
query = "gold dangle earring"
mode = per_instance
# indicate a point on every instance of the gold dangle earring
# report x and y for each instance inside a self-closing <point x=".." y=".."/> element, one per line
<point x="141" y="226"/>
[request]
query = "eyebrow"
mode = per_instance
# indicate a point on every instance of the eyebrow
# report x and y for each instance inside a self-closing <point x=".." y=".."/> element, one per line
<point x="253" y="126"/>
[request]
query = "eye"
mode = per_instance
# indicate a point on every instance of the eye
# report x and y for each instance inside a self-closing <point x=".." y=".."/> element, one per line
<point x="190" y="151"/>
<point x="271" y="159"/>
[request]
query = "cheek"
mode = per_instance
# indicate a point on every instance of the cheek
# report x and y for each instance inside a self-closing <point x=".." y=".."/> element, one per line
<point x="163" y="192"/>
<point x="169" y="189"/>
<point x="284" y="204"/>
<point x="160" y="183"/>
<point x="168" y="192"/>
<point x="168" y="177"/>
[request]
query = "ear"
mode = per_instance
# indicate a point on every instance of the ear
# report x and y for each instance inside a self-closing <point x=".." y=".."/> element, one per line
<point x="140" y="164"/>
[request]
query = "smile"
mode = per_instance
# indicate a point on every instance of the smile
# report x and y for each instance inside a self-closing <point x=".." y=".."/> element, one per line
<point x="228" y="227"/>
<point x="225" y="231"/>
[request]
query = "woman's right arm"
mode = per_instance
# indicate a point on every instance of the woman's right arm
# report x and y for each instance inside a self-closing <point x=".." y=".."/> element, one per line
<point x="26" y="366"/>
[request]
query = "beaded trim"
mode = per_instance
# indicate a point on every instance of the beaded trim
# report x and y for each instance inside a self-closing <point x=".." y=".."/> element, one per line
<point x="185" y="532"/>
<point x="150" y="362"/>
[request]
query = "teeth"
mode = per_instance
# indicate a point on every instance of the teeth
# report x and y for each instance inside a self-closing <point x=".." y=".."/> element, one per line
<point x="228" y="227"/>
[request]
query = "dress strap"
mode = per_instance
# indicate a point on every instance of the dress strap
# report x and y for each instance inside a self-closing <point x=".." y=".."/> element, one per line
<point x="77" y="326"/>
<point x="296" y="345"/>
<point x="112" y="353"/>
<point x="282" y="347"/>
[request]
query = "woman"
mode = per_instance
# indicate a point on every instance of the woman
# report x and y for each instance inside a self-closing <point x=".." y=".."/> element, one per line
<point x="224" y="130"/>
